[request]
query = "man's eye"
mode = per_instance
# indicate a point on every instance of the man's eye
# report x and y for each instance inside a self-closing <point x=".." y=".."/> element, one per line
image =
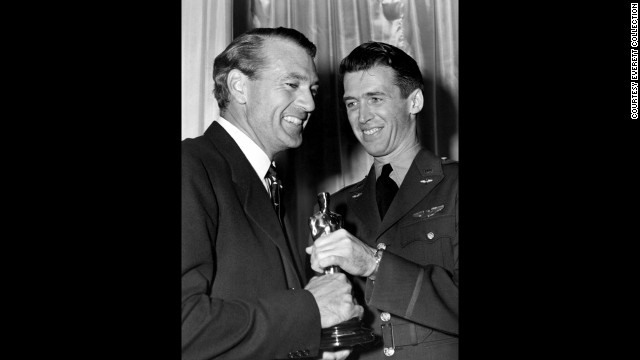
<point x="293" y="85"/>
<point x="350" y="104"/>
<point x="375" y="99"/>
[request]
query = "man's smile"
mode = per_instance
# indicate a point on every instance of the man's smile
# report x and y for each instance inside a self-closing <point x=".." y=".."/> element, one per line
<point x="293" y="120"/>
<point x="371" y="131"/>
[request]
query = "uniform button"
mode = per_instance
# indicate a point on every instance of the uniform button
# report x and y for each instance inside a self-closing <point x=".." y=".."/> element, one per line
<point x="430" y="235"/>
<point x="385" y="316"/>
<point x="388" y="351"/>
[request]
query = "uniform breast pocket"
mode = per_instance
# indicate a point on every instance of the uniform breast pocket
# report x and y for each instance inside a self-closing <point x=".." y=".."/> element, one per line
<point x="428" y="241"/>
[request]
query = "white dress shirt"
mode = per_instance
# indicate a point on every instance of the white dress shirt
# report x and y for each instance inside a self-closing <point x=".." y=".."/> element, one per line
<point x="256" y="156"/>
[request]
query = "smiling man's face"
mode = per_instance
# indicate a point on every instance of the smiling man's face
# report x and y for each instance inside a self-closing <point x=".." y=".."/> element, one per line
<point x="281" y="98"/>
<point x="379" y="116"/>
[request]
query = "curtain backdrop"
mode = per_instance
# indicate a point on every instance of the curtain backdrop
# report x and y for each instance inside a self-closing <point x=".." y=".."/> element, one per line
<point x="330" y="156"/>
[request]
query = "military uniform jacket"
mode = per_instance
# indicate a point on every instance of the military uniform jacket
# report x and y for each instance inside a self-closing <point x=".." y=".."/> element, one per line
<point x="416" y="287"/>
<point x="242" y="292"/>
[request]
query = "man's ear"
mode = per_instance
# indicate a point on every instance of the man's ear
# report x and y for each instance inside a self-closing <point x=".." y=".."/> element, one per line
<point x="236" y="83"/>
<point x="416" y="101"/>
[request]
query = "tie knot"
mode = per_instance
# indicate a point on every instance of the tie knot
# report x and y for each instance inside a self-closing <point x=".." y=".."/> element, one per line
<point x="271" y="173"/>
<point x="386" y="170"/>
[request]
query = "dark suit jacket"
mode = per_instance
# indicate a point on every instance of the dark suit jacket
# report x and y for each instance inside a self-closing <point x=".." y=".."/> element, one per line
<point x="417" y="281"/>
<point x="242" y="288"/>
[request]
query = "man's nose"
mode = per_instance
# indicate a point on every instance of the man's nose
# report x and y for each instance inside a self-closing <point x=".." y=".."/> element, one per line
<point x="306" y="101"/>
<point x="364" y="113"/>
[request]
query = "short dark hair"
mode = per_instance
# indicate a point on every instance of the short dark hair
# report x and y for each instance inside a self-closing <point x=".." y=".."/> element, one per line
<point x="366" y="56"/>
<point x="245" y="54"/>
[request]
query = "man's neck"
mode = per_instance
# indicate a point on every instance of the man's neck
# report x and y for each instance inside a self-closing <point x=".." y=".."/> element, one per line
<point x="239" y="120"/>
<point x="406" y="149"/>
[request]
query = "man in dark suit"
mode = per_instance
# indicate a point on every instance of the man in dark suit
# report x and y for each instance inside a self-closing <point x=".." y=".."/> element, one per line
<point x="400" y="235"/>
<point x="243" y="283"/>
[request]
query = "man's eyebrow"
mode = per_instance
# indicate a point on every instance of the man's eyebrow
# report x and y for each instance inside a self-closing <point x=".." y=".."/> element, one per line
<point x="368" y="94"/>
<point x="299" y="77"/>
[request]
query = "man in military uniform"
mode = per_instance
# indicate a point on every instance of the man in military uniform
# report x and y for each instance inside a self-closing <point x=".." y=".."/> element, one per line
<point x="400" y="235"/>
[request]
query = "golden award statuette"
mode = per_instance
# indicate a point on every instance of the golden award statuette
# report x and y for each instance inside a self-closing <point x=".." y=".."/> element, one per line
<point x="351" y="332"/>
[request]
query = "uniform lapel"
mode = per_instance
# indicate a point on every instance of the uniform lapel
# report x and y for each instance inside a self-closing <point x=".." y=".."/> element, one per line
<point x="362" y="202"/>
<point x="255" y="199"/>
<point x="424" y="174"/>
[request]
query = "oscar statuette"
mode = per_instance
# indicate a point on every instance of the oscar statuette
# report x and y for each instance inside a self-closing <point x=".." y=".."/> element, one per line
<point x="351" y="332"/>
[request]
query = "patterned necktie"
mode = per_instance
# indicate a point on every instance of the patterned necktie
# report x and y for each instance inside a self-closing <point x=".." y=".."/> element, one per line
<point x="274" y="188"/>
<point x="386" y="189"/>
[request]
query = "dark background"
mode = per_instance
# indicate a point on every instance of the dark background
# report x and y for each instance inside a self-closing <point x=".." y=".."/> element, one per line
<point x="93" y="190"/>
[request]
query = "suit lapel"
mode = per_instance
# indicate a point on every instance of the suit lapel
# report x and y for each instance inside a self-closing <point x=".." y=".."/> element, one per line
<point x="255" y="199"/>
<point x="258" y="208"/>
<point x="298" y="255"/>
<point x="424" y="174"/>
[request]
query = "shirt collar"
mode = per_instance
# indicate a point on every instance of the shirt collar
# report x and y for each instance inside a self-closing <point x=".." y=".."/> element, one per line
<point x="400" y="163"/>
<point x="256" y="156"/>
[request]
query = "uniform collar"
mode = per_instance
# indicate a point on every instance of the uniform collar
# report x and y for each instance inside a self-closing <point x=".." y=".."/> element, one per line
<point x="400" y="163"/>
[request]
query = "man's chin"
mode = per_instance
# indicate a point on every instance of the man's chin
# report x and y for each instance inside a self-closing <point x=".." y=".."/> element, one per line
<point x="372" y="150"/>
<point x="294" y="141"/>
